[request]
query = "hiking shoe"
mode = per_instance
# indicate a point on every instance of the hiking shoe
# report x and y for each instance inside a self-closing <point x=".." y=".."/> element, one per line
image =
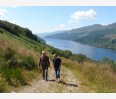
<point x="43" y="78"/>
<point x="58" y="80"/>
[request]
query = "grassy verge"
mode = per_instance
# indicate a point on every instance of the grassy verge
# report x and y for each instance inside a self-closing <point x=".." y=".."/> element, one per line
<point x="18" y="64"/>
<point x="99" y="77"/>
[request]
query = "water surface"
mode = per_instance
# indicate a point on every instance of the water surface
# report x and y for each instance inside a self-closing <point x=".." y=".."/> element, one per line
<point x="94" y="53"/>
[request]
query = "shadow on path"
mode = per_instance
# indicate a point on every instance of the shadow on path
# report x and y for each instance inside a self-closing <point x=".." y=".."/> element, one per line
<point x="64" y="83"/>
<point x="73" y="85"/>
<point x="51" y="80"/>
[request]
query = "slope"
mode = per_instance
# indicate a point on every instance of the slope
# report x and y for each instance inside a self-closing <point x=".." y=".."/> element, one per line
<point x="68" y="84"/>
<point x="19" y="51"/>
<point x="19" y="70"/>
<point x="96" y="35"/>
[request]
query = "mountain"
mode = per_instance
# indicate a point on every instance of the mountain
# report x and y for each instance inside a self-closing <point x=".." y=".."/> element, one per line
<point x="42" y="35"/>
<point x="19" y="31"/>
<point x="96" y="35"/>
<point x="74" y="33"/>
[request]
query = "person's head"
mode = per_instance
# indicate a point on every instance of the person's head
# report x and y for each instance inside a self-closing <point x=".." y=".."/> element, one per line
<point x="43" y="53"/>
<point x="54" y="56"/>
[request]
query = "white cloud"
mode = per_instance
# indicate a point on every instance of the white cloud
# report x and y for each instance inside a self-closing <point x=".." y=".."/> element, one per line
<point x="3" y="12"/>
<point x="82" y="15"/>
<point x="61" y="26"/>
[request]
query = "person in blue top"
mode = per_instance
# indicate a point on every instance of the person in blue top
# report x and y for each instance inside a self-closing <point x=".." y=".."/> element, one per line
<point x="57" y="65"/>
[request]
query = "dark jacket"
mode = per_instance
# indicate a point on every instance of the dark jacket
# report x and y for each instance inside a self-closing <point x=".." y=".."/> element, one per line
<point x="44" y="62"/>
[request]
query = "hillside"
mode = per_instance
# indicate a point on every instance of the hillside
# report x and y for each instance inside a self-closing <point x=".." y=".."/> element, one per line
<point x="19" y="50"/>
<point x="19" y="72"/>
<point x="18" y="31"/>
<point x="96" y="35"/>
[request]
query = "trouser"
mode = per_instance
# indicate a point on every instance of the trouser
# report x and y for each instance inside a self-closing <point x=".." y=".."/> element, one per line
<point x="45" y="73"/>
<point x="57" y="72"/>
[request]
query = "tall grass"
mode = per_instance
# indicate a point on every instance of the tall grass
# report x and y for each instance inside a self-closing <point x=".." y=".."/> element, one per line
<point x="28" y="63"/>
<point x="3" y="87"/>
<point x="23" y="62"/>
<point x="12" y="76"/>
<point x="99" y="77"/>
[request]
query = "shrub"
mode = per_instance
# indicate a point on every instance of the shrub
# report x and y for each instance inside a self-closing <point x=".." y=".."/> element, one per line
<point x="106" y="60"/>
<point x="52" y="50"/>
<point x="9" y="54"/>
<point x="1" y="31"/>
<point x="13" y="62"/>
<point x="109" y="61"/>
<point x="79" y="57"/>
<point x="12" y="76"/>
<point x="3" y="87"/>
<point x="61" y="53"/>
<point x="67" y="54"/>
<point x="10" y="58"/>
<point x="113" y="63"/>
<point x="28" y="63"/>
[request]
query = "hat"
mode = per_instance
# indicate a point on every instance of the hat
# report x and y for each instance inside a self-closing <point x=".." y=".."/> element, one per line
<point x="43" y="52"/>
<point x="54" y="55"/>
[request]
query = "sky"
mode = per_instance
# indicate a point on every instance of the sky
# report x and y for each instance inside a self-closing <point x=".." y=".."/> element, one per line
<point x="41" y="19"/>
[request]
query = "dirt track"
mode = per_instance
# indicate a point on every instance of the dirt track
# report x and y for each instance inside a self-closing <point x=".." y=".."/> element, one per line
<point x="68" y="83"/>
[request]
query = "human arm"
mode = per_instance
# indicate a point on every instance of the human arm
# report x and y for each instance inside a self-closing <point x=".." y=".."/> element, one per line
<point x="39" y="63"/>
<point x="60" y="63"/>
<point x="48" y="62"/>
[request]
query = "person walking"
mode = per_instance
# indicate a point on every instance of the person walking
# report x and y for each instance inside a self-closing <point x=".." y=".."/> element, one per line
<point x="44" y="63"/>
<point x="57" y="66"/>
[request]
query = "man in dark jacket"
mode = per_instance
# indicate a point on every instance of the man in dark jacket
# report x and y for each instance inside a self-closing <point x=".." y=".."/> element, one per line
<point x="57" y="65"/>
<point x="44" y="63"/>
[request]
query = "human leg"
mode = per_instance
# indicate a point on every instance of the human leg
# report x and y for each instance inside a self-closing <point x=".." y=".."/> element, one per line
<point x="57" y="71"/>
<point x="46" y="74"/>
<point x="43" y="73"/>
<point x="58" y="74"/>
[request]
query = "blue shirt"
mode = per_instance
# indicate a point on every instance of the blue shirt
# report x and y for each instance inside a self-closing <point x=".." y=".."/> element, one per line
<point x="56" y="63"/>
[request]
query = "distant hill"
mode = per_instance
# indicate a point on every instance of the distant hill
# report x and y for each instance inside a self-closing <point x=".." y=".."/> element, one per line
<point x="96" y="35"/>
<point x="19" y="31"/>
<point x="49" y="33"/>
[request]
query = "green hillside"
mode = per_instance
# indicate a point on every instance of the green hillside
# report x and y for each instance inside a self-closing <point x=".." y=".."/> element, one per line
<point x="96" y="35"/>
<point x="19" y="53"/>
